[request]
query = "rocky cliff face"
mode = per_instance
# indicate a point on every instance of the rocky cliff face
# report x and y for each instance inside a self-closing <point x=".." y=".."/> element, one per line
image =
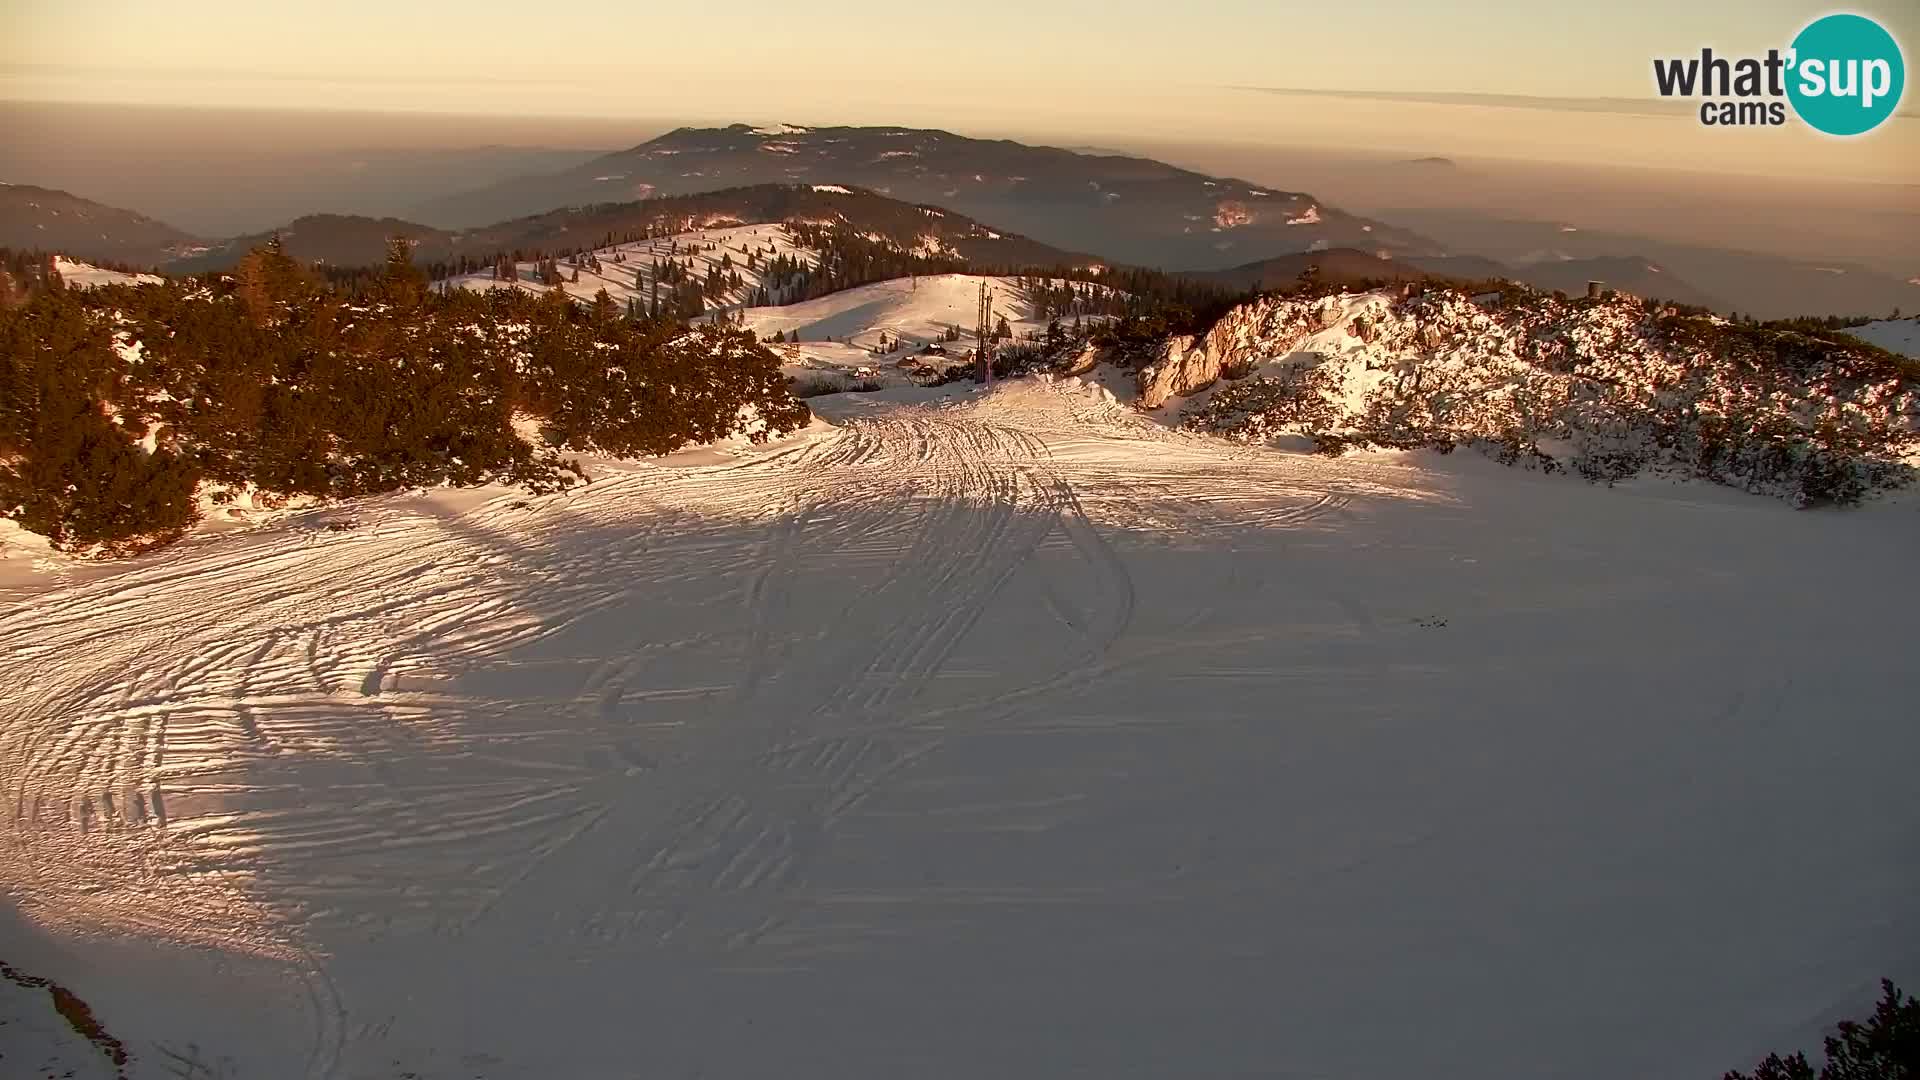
<point x="1233" y="346"/>
<point x="1181" y="369"/>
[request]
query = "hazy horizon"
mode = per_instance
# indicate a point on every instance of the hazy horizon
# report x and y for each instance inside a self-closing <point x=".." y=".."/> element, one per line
<point x="1388" y="75"/>
<point x="223" y="120"/>
<point x="283" y="164"/>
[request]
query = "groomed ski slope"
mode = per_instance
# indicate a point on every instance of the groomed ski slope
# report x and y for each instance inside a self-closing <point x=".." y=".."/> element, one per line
<point x="917" y="311"/>
<point x="838" y="332"/>
<point x="975" y="736"/>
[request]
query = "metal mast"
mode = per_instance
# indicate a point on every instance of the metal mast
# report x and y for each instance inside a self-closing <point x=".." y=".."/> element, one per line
<point x="983" y="354"/>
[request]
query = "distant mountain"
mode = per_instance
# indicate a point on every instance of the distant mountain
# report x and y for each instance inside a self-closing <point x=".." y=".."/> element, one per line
<point x="1341" y="266"/>
<point x="1626" y="273"/>
<point x="1766" y="285"/>
<point x="1127" y="209"/>
<point x="348" y="241"/>
<point x="1465" y="267"/>
<point x="49" y="220"/>
<point x="330" y="239"/>
<point x="1348" y="266"/>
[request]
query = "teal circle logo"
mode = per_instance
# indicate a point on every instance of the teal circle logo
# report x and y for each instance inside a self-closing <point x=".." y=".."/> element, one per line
<point x="1847" y="74"/>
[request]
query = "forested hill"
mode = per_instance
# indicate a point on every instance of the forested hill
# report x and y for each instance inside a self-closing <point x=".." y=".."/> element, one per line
<point x="45" y="219"/>
<point x="346" y="241"/>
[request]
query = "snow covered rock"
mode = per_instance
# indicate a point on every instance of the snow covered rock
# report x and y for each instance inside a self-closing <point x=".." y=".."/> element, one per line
<point x="1249" y="333"/>
<point x="1617" y="386"/>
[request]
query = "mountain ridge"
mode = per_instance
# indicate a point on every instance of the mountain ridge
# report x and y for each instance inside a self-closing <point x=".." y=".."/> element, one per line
<point x="1626" y="273"/>
<point x="353" y="241"/>
<point x="50" y="219"/>
<point x="1123" y="208"/>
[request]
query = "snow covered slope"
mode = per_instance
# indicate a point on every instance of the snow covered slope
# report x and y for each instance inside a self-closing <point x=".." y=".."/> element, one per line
<point x="1006" y="735"/>
<point x="837" y="332"/>
<point x="915" y="310"/>
<point x="1894" y="335"/>
<point x="627" y="271"/>
<point x="840" y="332"/>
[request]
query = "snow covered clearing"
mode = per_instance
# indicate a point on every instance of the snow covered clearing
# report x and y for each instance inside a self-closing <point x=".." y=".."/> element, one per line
<point x="631" y="277"/>
<point x="81" y="275"/>
<point x="975" y="735"/>
<point x="1894" y="335"/>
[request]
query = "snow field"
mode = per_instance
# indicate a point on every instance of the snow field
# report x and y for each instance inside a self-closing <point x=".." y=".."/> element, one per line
<point x="977" y="734"/>
<point x="82" y="275"/>
<point x="1894" y="335"/>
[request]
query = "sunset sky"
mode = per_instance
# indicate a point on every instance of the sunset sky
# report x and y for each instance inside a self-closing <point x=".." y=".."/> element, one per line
<point x="1066" y="70"/>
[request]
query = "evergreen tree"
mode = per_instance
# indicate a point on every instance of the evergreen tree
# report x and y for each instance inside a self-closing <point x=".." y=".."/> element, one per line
<point x="1885" y="1047"/>
<point x="603" y="310"/>
<point x="401" y="281"/>
<point x="270" y="279"/>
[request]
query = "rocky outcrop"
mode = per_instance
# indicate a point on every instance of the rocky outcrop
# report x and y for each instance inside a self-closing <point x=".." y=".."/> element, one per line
<point x="1242" y="338"/>
<point x="1180" y="370"/>
<point x="1086" y="360"/>
<point x="1610" y="388"/>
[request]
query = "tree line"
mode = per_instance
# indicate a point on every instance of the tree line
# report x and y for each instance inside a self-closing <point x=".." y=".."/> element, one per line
<point x="124" y="408"/>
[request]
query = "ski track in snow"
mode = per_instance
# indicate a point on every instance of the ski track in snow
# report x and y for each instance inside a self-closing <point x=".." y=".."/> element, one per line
<point x="269" y="717"/>
<point x="628" y="746"/>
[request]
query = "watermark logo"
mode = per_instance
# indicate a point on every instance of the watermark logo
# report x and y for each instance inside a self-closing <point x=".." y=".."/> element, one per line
<point x="1843" y="75"/>
<point x="1850" y="74"/>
